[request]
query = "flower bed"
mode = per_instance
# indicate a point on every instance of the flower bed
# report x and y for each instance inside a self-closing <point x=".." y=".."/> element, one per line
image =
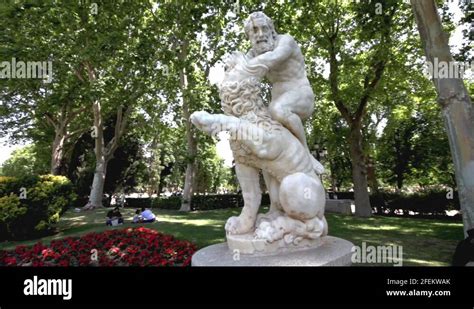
<point x="126" y="247"/>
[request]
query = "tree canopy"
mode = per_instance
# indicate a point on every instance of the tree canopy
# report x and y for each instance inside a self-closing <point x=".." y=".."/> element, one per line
<point x="127" y="75"/>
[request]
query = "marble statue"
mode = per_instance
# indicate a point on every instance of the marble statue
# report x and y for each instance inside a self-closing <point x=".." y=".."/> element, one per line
<point x="292" y="95"/>
<point x="270" y="139"/>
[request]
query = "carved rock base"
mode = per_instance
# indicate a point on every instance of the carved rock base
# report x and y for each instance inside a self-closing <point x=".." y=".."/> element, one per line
<point x="328" y="251"/>
<point x="247" y="244"/>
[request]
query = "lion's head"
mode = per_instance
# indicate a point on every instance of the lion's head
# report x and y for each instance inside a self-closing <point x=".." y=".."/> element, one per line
<point x="240" y="94"/>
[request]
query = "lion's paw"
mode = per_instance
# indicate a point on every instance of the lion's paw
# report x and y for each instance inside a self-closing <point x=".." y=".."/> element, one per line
<point x="202" y="120"/>
<point x="238" y="225"/>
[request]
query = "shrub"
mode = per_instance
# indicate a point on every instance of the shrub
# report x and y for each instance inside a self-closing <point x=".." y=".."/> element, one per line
<point x="425" y="203"/>
<point x="10" y="210"/>
<point x="428" y="203"/>
<point x="172" y="202"/>
<point x="31" y="205"/>
<point x="139" y="202"/>
<point x="341" y="195"/>
<point x="199" y="202"/>
<point x="217" y="201"/>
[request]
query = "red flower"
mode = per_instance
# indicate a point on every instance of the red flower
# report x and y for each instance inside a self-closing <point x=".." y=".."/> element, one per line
<point x="133" y="246"/>
<point x="10" y="261"/>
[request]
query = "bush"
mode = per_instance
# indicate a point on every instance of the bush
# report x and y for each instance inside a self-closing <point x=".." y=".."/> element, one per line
<point x="172" y="202"/>
<point x="342" y="195"/>
<point x="31" y="205"/>
<point x="199" y="202"/>
<point x="10" y="210"/>
<point x="428" y="203"/>
<point x="217" y="201"/>
<point x="139" y="202"/>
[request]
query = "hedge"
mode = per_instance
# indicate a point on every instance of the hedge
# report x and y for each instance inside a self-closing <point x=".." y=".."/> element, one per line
<point x="199" y="202"/>
<point x="429" y="203"/>
<point x="30" y="206"/>
<point x="164" y="203"/>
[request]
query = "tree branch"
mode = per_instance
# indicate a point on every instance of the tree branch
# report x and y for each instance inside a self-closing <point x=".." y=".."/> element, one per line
<point x="334" y="83"/>
<point x="120" y="126"/>
<point x="78" y="74"/>
<point x="369" y="88"/>
<point x="77" y="112"/>
<point x="378" y="66"/>
<point x="90" y="71"/>
<point x="51" y="120"/>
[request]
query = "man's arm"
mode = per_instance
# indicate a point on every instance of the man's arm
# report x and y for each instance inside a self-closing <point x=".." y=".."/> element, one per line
<point x="283" y="51"/>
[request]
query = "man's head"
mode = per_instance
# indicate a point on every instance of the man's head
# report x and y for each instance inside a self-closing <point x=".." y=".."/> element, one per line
<point x="261" y="32"/>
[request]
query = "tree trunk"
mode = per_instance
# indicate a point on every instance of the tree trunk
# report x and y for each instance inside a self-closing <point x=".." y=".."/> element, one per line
<point x="191" y="168"/>
<point x="60" y="124"/>
<point x="458" y="111"/>
<point x="189" y="183"/>
<point x="372" y="176"/>
<point x="103" y="153"/>
<point x="359" y="172"/>
<point x="97" y="189"/>
<point x="188" y="187"/>
<point x="57" y="153"/>
<point x="399" y="181"/>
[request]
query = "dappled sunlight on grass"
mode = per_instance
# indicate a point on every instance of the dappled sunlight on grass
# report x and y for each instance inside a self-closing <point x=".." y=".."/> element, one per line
<point x="191" y="221"/>
<point x="425" y="242"/>
<point x="374" y="228"/>
<point x="450" y="224"/>
<point x="422" y="239"/>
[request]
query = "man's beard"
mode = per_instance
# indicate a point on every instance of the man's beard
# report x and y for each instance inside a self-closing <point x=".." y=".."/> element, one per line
<point x="264" y="47"/>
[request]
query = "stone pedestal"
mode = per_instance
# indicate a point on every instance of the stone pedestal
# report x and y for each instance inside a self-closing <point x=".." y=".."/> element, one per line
<point x="247" y="244"/>
<point x="338" y="206"/>
<point x="328" y="251"/>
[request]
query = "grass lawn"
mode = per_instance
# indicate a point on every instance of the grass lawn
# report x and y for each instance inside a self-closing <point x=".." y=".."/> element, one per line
<point x="425" y="242"/>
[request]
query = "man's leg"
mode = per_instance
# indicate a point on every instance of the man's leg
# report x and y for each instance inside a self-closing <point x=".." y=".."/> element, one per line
<point x="288" y="109"/>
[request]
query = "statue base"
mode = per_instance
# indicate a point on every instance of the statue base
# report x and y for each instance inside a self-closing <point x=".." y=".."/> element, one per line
<point x="326" y="251"/>
<point x="247" y="244"/>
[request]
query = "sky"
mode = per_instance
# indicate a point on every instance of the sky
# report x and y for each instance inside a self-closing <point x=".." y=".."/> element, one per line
<point x="215" y="76"/>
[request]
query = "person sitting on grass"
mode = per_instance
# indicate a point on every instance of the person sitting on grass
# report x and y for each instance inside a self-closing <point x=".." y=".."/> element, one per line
<point x="114" y="216"/>
<point x="147" y="216"/>
<point x="137" y="218"/>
